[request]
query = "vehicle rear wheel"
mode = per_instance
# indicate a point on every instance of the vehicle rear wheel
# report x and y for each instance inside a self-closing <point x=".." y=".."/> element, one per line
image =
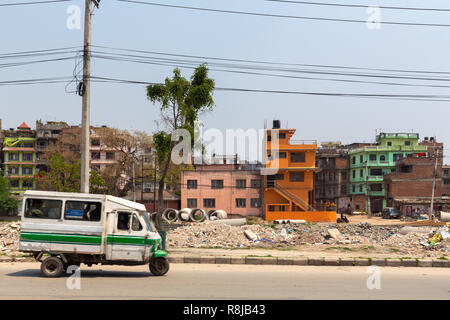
<point x="52" y="267"/>
<point x="159" y="266"/>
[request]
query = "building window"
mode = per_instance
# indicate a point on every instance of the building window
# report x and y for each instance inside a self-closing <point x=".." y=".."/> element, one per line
<point x="216" y="184"/>
<point x="446" y="171"/>
<point x="343" y="189"/>
<point x="241" y="183"/>
<point x="407" y="143"/>
<point x="209" y="203"/>
<point x="446" y="181"/>
<point x="297" y="176"/>
<point x="110" y="156"/>
<point x="255" y="183"/>
<point x="255" y="202"/>
<point x="397" y="156"/>
<point x="353" y="160"/>
<point x="13" y="156"/>
<point x="27" y="184"/>
<point x="361" y="173"/>
<point x="240" y="203"/>
<point x="376" y="172"/>
<point x="269" y="137"/>
<point x="376" y="187"/>
<point x="192" y="203"/>
<point x="43" y="209"/>
<point x="192" y="184"/>
<point x="28" y="145"/>
<point x="27" y="170"/>
<point x="389" y="143"/>
<point x="354" y="174"/>
<point x="361" y="159"/>
<point x="360" y="188"/>
<point x="372" y="157"/>
<point x="83" y="210"/>
<point x="281" y="155"/>
<point x="406" y="169"/>
<point x="13" y="170"/>
<point x="353" y="188"/>
<point x="382" y="158"/>
<point x="95" y="142"/>
<point x="297" y="157"/>
<point x="27" y="157"/>
<point x="14" y="183"/>
<point x="95" y="155"/>
<point x="282" y="135"/>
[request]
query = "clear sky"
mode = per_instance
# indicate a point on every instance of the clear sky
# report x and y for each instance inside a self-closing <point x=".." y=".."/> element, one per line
<point x="150" y="28"/>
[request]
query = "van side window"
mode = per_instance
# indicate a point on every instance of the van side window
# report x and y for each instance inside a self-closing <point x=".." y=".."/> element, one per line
<point x="123" y="221"/>
<point x="136" y="225"/>
<point x="83" y="211"/>
<point x="43" y="208"/>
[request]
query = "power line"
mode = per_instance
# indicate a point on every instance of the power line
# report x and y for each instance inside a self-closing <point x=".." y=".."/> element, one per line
<point x="31" y="3"/>
<point x="284" y="16"/>
<point x="360" y="6"/>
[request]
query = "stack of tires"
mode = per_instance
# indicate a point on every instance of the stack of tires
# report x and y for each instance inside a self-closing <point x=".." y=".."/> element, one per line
<point x="192" y="215"/>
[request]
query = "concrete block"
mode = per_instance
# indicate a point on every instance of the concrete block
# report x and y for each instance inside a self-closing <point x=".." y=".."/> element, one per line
<point x="208" y="259"/>
<point x="223" y="260"/>
<point x="237" y="260"/>
<point x="331" y="262"/>
<point x="285" y="261"/>
<point x="362" y="262"/>
<point x="393" y="262"/>
<point x="316" y="261"/>
<point x="409" y="263"/>
<point x="438" y="263"/>
<point x="191" y="259"/>
<point x="252" y="260"/>
<point x="300" y="261"/>
<point x="347" y="262"/>
<point x="378" y="262"/>
<point x="176" y="259"/>
<point x="268" y="260"/>
<point x="425" y="263"/>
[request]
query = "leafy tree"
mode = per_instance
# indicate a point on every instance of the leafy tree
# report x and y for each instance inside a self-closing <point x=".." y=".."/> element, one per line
<point x="8" y="204"/>
<point x="181" y="102"/>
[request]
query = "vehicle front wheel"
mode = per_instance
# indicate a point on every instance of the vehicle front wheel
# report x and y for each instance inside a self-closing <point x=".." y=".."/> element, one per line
<point x="159" y="266"/>
<point x="52" y="267"/>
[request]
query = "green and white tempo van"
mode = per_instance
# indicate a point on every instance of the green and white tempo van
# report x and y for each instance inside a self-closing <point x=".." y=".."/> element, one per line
<point x="75" y="228"/>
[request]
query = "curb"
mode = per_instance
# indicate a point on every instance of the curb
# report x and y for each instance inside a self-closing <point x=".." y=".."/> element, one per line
<point x="350" y="262"/>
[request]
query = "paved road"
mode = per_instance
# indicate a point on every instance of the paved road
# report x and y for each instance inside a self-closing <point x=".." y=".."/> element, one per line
<point x="195" y="281"/>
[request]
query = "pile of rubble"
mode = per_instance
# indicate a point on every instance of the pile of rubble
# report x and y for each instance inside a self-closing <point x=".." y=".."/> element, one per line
<point x="9" y="237"/>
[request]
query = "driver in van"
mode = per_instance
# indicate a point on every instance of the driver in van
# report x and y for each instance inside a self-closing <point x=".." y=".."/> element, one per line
<point x="35" y="210"/>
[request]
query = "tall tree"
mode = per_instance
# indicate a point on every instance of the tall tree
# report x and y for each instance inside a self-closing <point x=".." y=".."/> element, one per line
<point x="8" y="204"/>
<point x="180" y="102"/>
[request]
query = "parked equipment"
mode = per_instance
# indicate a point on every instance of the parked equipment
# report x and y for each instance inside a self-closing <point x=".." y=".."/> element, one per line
<point x="75" y="228"/>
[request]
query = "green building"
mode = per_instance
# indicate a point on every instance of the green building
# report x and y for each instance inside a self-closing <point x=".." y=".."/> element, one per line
<point x="19" y="151"/>
<point x="378" y="160"/>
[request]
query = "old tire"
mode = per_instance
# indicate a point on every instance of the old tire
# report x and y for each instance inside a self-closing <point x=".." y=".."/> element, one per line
<point x="159" y="266"/>
<point x="52" y="267"/>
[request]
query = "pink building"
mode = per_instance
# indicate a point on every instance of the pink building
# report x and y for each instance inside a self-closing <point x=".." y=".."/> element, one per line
<point x="226" y="185"/>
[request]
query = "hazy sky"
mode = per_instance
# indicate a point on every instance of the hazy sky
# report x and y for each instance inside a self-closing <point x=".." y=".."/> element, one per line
<point x="150" y="28"/>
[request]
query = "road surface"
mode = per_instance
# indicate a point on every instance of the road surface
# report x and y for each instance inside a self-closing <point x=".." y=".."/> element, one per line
<point x="196" y="281"/>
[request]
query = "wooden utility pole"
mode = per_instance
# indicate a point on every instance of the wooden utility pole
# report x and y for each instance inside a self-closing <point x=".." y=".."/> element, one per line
<point x="436" y="155"/>
<point x="142" y="181"/>
<point x="84" y="91"/>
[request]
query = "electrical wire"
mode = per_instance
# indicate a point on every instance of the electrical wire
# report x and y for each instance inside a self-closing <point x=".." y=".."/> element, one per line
<point x="31" y="3"/>
<point x="284" y="16"/>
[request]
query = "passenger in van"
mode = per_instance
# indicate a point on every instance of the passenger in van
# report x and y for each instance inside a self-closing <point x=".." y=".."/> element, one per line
<point x="35" y="210"/>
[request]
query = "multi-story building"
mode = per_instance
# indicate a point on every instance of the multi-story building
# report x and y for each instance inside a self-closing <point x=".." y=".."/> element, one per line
<point x="289" y="177"/>
<point x="225" y="183"/>
<point x="369" y="164"/>
<point x="19" y="151"/>
<point x="410" y="186"/>
<point x="446" y="180"/>
<point x="47" y="135"/>
<point x="332" y="179"/>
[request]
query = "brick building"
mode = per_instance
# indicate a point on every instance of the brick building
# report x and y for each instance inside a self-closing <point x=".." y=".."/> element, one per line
<point x="225" y="183"/>
<point x="409" y="187"/>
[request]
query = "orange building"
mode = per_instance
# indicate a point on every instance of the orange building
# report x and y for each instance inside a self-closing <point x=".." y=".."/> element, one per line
<point x="289" y="178"/>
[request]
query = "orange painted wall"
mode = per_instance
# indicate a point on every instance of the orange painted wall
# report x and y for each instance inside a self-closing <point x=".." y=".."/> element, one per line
<point x="312" y="216"/>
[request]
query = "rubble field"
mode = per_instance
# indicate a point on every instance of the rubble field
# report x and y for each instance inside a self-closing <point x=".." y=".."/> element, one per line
<point x="325" y="237"/>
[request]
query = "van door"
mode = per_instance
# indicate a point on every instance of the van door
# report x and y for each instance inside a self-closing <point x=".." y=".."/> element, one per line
<point x="127" y="241"/>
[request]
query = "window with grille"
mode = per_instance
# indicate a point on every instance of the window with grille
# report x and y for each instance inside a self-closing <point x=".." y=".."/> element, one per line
<point x="209" y="203"/>
<point x="255" y="202"/>
<point x="241" y="183"/>
<point x="240" y="203"/>
<point x="192" y="203"/>
<point x="297" y="157"/>
<point x="216" y="184"/>
<point x="192" y="184"/>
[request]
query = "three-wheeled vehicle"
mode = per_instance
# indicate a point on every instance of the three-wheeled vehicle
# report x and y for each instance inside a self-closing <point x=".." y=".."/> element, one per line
<point x="75" y="228"/>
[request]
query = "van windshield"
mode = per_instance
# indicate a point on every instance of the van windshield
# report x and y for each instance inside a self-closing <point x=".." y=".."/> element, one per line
<point x="148" y="221"/>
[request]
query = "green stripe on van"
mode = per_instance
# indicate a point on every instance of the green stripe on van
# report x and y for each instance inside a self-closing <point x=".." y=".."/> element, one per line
<point x="60" y="238"/>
